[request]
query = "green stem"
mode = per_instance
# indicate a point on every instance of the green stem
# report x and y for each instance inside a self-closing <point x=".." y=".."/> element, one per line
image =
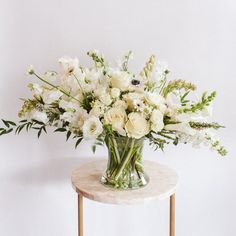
<point x="116" y="150"/>
<point x="78" y="83"/>
<point x="56" y="87"/>
<point x="124" y="161"/>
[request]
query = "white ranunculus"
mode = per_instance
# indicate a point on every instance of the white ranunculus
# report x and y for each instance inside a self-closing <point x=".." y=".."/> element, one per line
<point x="181" y="127"/>
<point x="157" y="123"/>
<point x="39" y="116"/>
<point x="136" y="126"/>
<point x="105" y="99"/>
<point x="92" y="128"/>
<point x="116" y="116"/>
<point x="120" y="80"/>
<point x="121" y="104"/>
<point x="115" y="92"/>
<point x="50" y="96"/>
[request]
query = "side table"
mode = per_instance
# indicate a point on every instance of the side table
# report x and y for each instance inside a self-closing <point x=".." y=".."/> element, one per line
<point x="86" y="182"/>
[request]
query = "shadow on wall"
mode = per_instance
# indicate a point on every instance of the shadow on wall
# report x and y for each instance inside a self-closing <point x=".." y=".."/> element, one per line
<point x="47" y="172"/>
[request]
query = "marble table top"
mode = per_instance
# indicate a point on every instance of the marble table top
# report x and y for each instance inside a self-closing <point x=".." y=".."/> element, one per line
<point x="86" y="181"/>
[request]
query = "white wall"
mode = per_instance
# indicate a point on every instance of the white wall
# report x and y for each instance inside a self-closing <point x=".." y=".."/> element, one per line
<point x="197" y="38"/>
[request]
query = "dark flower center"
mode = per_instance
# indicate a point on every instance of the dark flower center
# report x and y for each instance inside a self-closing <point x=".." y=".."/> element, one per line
<point x="135" y="82"/>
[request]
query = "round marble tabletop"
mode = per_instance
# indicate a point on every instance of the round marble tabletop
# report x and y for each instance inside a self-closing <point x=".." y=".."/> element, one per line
<point x="86" y="181"/>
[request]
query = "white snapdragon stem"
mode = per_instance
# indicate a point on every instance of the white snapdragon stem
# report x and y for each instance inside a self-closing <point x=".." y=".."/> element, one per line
<point x="56" y="87"/>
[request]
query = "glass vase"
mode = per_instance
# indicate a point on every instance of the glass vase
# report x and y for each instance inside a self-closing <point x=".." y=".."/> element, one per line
<point x="124" y="168"/>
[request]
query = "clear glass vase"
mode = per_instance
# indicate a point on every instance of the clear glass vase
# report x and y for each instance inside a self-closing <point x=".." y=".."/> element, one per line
<point x="124" y="168"/>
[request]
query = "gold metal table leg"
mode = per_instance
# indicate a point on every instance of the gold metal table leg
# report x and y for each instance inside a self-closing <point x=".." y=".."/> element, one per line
<point x="172" y="215"/>
<point x="80" y="215"/>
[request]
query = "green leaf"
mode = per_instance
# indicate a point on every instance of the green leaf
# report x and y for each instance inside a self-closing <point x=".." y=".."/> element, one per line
<point x="68" y="135"/>
<point x="78" y="142"/>
<point x="4" y="131"/>
<point x="38" y="122"/>
<point x="94" y="148"/>
<point x="6" y="123"/>
<point x="44" y="129"/>
<point x="9" y="131"/>
<point x="39" y="133"/>
<point x="60" y="130"/>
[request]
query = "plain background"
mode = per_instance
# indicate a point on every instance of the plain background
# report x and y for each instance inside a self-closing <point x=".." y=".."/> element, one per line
<point x="196" y="38"/>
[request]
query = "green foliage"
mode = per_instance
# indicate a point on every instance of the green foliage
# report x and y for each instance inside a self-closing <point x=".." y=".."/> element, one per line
<point x="98" y="60"/>
<point x="156" y="142"/>
<point x="204" y="102"/>
<point x="87" y="101"/>
<point x="9" y="127"/>
<point x="98" y="142"/>
<point x="178" y="85"/>
<point x="216" y="145"/>
<point x="205" y="125"/>
<point x="126" y="59"/>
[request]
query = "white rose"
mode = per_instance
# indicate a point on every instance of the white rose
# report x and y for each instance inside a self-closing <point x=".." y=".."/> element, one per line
<point x="51" y="96"/>
<point x="181" y="127"/>
<point x="39" y="116"/>
<point x="116" y="116"/>
<point x="157" y="121"/>
<point x="120" y="80"/>
<point x="136" y="126"/>
<point x="115" y="92"/>
<point x="92" y="128"/>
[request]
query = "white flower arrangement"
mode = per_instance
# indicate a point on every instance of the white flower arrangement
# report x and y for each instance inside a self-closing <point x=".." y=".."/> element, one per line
<point x="91" y="103"/>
